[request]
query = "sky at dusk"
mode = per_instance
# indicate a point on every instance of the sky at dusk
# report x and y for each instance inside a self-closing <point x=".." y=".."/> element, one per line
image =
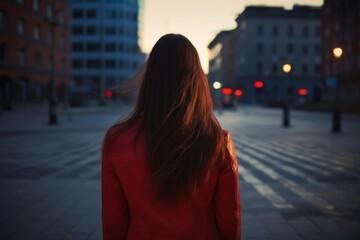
<point x="198" y="20"/>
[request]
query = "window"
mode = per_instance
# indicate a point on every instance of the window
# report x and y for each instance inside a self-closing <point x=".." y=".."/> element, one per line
<point x="260" y="30"/>
<point x="77" y="13"/>
<point x="91" y="13"/>
<point x="51" y="63"/>
<point x="109" y="47"/>
<point x="77" y="47"/>
<point x="317" y="31"/>
<point x="35" y="5"/>
<point x="304" y="69"/>
<point x="63" y="66"/>
<point x="78" y="80"/>
<point x="62" y="41"/>
<point x="305" y="31"/>
<point x="93" y="47"/>
<point x="20" y="1"/>
<point x="110" y="14"/>
<point x="259" y="67"/>
<point x="37" y="32"/>
<point x="290" y="48"/>
<point x="275" y="31"/>
<point x="110" y="30"/>
<point x="21" y="26"/>
<point x="110" y="64"/>
<point x="290" y="31"/>
<point x="93" y="63"/>
<point x="50" y="37"/>
<point x="121" y="47"/>
<point x="49" y="11"/>
<point x="21" y="57"/>
<point x="3" y="53"/>
<point x="135" y="17"/>
<point x="274" y="48"/>
<point x="260" y="48"/>
<point x="3" y="19"/>
<point x="77" y="63"/>
<point x="91" y="30"/>
<point x="305" y="50"/>
<point x="317" y="49"/>
<point x="38" y="60"/>
<point x="121" y="64"/>
<point x="77" y="30"/>
<point x="317" y="68"/>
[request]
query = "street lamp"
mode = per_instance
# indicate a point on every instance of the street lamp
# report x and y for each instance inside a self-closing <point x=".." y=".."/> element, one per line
<point x="218" y="96"/>
<point x="336" y="127"/>
<point x="217" y="85"/>
<point x="53" y="23"/>
<point x="286" y="109"/>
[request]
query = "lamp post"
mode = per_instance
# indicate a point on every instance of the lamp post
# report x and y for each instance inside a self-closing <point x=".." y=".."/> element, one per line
<point x="217" y="96"/>
<point x="53" y="23"/>
<point x="336" y="127"/>
<point x="286" y="109"/>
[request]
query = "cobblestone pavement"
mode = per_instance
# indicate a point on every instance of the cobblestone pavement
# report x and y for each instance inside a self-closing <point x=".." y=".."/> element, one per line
<point x="300" y="182"/>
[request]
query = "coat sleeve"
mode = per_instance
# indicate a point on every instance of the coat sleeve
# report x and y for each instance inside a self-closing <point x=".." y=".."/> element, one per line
<point x="115" y="210"/>
<point x="227" y="196"/>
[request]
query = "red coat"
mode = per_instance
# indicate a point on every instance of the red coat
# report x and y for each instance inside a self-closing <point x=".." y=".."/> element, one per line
<point x="128" y="213"/>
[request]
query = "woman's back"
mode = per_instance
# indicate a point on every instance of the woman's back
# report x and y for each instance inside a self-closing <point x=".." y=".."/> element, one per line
<point x="167" y="172"/>
<point x="131" y="212"/>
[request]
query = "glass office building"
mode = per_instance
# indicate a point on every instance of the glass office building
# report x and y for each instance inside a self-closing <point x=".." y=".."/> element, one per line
<point x="104" y="45"/>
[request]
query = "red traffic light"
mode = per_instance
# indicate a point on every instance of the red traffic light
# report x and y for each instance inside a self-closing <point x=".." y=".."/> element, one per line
<point x="238" y="92"/>
<point x="108" y="93"/>
<point x="226" y="91"/>
<point x="302" y="92"/>
<point x="258" y="84"/>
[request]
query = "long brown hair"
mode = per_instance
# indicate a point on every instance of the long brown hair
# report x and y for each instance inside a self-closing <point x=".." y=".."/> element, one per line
<point x="184" y="141"/>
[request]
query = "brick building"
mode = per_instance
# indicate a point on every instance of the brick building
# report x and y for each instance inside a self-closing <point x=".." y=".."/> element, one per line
<point x="341" y="28"/>
<point x="34" y="37"/>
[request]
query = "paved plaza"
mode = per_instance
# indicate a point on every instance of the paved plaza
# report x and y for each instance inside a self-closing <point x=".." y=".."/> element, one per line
<point x="301" y="182"/>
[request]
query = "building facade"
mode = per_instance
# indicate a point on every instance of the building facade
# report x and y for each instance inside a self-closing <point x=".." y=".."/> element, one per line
<point x="341" y="21"/>
<point x="266" y="38"/>
<point x="34" y="50"/>
<point x="105" y="44"/>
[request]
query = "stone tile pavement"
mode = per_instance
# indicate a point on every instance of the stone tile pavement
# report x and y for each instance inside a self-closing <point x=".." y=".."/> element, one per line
<point x="296" y="183"/>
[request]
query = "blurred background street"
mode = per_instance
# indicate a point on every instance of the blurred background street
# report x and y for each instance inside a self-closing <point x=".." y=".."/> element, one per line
<point x="284" y="77"/>
<point x="301" y="182"/>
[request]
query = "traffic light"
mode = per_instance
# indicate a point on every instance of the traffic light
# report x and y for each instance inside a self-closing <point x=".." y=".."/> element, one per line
<point x="302" y="92"/>
<point x="258" y="84"/>
<point x="226" y="91"/>
<point x="108" y="93"/>
<point x="238" y="93"/>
